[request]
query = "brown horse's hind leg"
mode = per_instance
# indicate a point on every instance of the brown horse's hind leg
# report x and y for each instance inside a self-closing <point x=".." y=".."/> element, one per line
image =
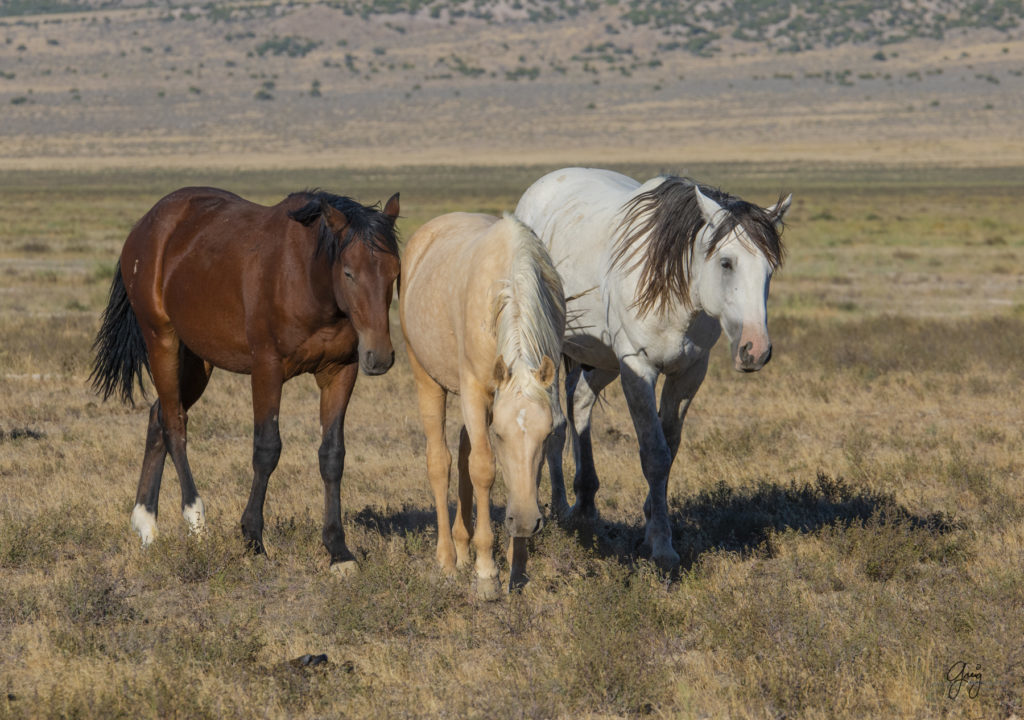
<point x="194" y="376"/>
<point x="335" y="392"/>
<point x="171" y="364"/>
<point x="147" y="497"/>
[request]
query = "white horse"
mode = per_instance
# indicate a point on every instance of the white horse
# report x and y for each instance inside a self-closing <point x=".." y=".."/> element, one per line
<point x="652" y="274"/>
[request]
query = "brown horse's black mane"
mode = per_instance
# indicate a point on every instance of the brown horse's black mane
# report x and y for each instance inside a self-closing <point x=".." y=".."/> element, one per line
<point x="659" y="231"/>
<point x="366" y="224"/>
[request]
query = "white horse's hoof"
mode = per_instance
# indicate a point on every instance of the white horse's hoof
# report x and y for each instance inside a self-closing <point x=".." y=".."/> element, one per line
<point x="144" y="524"/>
<point x="195" y="516"/>
<point x="488" y="589"/>
<point x="345" y="568"/>
<point x="667" y="559"/>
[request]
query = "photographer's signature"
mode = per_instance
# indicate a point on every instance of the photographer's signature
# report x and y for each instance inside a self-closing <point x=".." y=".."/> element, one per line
<point x="961" y="677"/>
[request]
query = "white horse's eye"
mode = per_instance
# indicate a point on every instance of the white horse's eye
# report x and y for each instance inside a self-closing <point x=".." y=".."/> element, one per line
<point x="726" y="263"/>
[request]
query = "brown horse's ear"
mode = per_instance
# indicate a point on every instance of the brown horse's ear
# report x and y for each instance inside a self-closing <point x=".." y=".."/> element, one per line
<point x="501" y="371"/>
<point x="334" y="218"/>
<point x="391" y="207"/>
<point x="545" y="374"/>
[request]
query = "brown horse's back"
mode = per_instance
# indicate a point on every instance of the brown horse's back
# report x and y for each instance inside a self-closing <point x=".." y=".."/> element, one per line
<point x="202" y="260"/>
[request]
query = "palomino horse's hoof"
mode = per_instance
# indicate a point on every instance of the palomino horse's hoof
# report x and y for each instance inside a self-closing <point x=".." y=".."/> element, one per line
<point x="344" y="568"/>
<point x="488" y="589"/>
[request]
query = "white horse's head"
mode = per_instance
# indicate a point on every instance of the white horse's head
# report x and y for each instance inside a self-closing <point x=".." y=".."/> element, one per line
<point x="734" y="279"/>
<point x="521" y="422"/>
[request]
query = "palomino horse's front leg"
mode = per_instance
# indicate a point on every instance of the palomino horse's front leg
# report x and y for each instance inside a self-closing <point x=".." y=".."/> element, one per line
<point x="432" y="398"/>
<point x="481" y="473"/>
<point x="267" y="379"/>
<point x="335" y="392"/>
<point x="638" y="382"/>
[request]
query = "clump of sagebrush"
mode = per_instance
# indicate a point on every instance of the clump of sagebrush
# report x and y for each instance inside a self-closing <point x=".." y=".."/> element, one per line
<point x="616" y="632"/>
<point x="394" y="594"/>
<point x="41" y="539"/>
<point x="218" y="552"/>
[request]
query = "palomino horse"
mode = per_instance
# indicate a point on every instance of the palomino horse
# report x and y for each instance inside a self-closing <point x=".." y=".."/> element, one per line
<point x="654" y="273"/>
<point x="483" y="315"/>
<point x="207" y="279"/>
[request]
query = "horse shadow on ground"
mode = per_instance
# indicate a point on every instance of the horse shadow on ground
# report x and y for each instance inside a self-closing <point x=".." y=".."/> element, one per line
<point x="725" y="518"/>
<point x="745" y="519"/>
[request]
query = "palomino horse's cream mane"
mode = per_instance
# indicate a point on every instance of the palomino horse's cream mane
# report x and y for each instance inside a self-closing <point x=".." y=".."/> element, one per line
<point x="528" y="314"/>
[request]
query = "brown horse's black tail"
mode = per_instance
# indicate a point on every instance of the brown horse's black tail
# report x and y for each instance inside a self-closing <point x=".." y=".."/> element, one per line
<point x="119" y="347"/>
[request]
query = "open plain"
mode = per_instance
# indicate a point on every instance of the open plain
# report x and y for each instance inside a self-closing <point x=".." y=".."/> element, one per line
<point x="851" y="518"/>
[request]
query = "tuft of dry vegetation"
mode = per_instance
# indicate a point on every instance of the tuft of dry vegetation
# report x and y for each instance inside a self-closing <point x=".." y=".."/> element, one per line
<point x="851" y="518"/>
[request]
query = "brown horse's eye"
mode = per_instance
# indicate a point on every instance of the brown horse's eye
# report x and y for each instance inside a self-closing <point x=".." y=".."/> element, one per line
<point x="349" y="275"/>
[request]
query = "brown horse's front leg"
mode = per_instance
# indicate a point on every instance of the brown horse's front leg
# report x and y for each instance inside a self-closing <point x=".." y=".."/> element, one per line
<point x="266" y="449"/>
<point x="335" y="391"/>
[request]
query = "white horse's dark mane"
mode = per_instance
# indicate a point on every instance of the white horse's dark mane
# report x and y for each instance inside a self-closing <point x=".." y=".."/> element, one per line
<point x="659" y="230"/>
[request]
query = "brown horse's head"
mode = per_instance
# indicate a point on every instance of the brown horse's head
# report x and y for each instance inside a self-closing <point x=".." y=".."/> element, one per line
<point x="363" y="249"/>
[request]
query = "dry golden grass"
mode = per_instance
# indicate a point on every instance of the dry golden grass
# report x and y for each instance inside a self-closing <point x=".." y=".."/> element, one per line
<point x="852" y="517"/>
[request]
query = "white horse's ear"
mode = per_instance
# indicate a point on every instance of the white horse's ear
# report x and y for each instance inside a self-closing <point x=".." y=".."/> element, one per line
<point x="501" y="371"/>
<point x="545" y="374"/>
<point x="708" y="207"/>
<point x="778" y="211"/>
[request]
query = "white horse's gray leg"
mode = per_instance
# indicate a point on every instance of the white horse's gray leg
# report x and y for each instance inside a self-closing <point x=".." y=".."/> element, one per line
<point x="676" y="396"/>
<point x="555" y="446"/>
<point x="581" y="408"/>
<point x="638" y="381"/>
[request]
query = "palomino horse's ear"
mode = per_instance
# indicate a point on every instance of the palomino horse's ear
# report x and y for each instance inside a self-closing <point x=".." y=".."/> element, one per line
<point x="778" y="211"/>
<point x="501" y="371"/>
<point x="708" y="207"/>
<point x="545" y="374"/>
<point x="334" y="218"/>
<point x="391" y="207"/>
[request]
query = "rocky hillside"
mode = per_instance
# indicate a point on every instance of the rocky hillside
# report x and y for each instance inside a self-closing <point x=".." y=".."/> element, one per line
<point x="452" y="79"/>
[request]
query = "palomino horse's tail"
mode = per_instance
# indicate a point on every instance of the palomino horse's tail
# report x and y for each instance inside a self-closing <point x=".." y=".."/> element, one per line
<point x="119" y="347"/>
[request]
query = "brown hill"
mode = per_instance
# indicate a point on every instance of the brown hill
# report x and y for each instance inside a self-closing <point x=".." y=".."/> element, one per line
<point x="256" y="84"/>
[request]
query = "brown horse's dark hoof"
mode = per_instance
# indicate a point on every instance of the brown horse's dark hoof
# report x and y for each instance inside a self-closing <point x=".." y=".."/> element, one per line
<point x="255" y="546"/>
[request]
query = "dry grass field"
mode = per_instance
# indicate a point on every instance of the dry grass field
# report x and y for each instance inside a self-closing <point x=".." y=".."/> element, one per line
<point x="851" y="518"/>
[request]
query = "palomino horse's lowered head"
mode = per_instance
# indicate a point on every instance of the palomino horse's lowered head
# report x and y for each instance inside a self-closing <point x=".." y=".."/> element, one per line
<point x="740" y="251"/>
<point x="521" y="423"/>
<point x="363" y="250"/>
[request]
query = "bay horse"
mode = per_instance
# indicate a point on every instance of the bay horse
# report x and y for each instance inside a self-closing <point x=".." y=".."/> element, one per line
<point x="207" y="279"/>
<point x="655" y="272"/>
<point x="483" y="314"/>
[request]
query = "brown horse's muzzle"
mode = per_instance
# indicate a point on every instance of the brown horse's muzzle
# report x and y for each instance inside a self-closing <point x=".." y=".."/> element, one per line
<point x="373" y="362"/>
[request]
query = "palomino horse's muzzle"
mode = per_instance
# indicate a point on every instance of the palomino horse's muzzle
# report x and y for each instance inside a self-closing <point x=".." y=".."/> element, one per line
<point x="523" y="525"/>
